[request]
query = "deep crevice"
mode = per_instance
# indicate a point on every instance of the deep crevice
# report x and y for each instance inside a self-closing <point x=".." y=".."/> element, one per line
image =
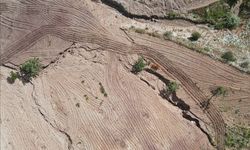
<point x="176" y="101"/>
<point x="117" y="6"/>
<point x="61" y="53"/>
<point x="147" y="83"/>
<point x="69" y="139"/>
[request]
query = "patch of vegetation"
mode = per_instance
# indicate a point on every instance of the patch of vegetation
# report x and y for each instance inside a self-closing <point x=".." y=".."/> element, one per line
<point x="206" y="49"/>
<point x="139" y="30"/>
<point x="231" y="2"/>
<point x="228" y="56"/>
<point x="172" y="87"/>
<point x="172" y="15"/>
<point x="138" y="66"/>
<point x="28" y="70"/>
<point x="244" y="64"/>
<point x="154" y="34"/>
<point x="245" y="9"/>
<point x="219" y="91"/>
<point x="78" y="105"/>
<point x="167" y="35"/>
<point x="102" y="90"/>
<point x="237" y="138"/>
<point x="219" y="15"/>
<point x="86" y="97"/>
<point x="13" y="76"/>
<point x="229" y="21"/>
<point x="195" y="36"/>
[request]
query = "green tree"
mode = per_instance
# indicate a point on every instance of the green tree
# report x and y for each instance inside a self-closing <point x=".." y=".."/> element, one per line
<point x="30" y="69"/>
<point x="138" y="66"/>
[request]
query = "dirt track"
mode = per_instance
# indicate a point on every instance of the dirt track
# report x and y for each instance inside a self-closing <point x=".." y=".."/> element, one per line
<point x="60" y="19"/>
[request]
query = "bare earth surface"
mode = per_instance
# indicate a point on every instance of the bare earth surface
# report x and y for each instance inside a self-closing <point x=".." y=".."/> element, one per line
<point x="158" y="8"/>
<point x="63" y="108"/>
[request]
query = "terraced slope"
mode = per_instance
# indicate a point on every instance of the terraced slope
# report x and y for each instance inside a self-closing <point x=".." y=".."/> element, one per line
<point x="65" y="109"/>
<point x="69" y="22"/>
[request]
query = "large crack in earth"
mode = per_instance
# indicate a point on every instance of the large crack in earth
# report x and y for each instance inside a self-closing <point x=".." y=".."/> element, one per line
<point x="117" y="6"/>
<point x="45" y="118"/>
<point x="177" y="102"/>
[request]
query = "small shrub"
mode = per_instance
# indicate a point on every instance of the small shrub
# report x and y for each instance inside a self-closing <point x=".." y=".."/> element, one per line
<point x="172" y="15"/>
<point x="154" y="34"/>
<point x="13" y="76"/>
<point x="167" y="35"/>
<point x="30" y="68"/>
<point x="219" y="91"/>
<point x="244" y="64"/>
<point x="138" y="30"/>
<point x="138" y="66"/>
<point x="228" y="56"/>
<point x="195" y="36"/>
<point x="172" y="87"/>
<point x="206" y="49"/>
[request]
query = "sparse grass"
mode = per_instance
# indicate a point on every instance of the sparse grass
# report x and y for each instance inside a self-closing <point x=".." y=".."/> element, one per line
<point x="219" y="91"/>
<point x="195" y="36"/>
<point x="138" y="66"/>
<point x="172" y="15"/>
<point x="103" y="90"/>
<point x="206" y="49"/>
<point x="167" y="35"/>
<point x="139" y="30"/>
<point x="228" y="56"/>
<point x="154" y="34"/>
<point x="237" y="138"/>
